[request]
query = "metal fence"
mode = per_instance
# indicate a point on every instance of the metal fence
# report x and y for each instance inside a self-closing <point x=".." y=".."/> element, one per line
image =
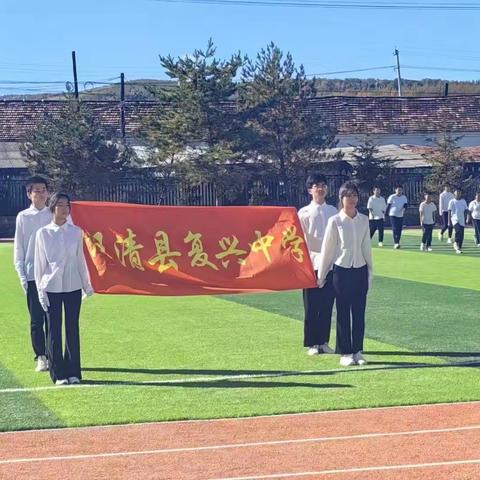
<point x="262" y="192"/>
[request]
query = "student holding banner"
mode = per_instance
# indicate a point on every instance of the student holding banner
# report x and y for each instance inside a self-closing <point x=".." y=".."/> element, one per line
<point x="318" y="302"/>
<point x="347" y="248"/>
<point x="28" y="222"/>
<point x="61" y="274"/>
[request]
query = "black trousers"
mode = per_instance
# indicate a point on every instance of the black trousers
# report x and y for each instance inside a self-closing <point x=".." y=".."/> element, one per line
<point x="427" y="234"/>
<point x="459" y="234"/>
<point x="350" y="286"/>
<point x="397" y="225"/>
<point x="476" y="226"/>
<point x="377" y="225"/>
<point x="445" y="225"/>
<point x="63" y="365"/>
<point x="318" y="305"/>
<point x="38" y="320"/>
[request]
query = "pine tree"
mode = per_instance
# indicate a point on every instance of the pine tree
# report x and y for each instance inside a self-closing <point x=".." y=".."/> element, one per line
<point x="193" y="136"/>
<point x="447" y="160"/>
<point x="282" y="134"/>
<point x="76" y="153"/>
<point x="369" y="168"/>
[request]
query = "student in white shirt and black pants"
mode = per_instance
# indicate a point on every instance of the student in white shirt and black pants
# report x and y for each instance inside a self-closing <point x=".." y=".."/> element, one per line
<point x="427" y="211"/>
<point x="61" y="274"/>
<point x="28" y="222"/>
<point x="347" y="247"/>
<point x="318" y="302"/>
<point x="457" y="209"/>
<point x="396" y="206"/>
<point x="443" y="203"/>
<point x="474" y="209"/>
<point x="377" y="207"/>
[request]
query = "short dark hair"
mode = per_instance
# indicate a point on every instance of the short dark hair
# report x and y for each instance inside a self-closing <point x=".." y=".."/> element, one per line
<point x="314" y="179"/>
<point x="375" y="187"/>
<point x="347" y="189"/>
<point x="33" y="180"/>
<point x="55" y="198"/>
<point x="398" y="186"/>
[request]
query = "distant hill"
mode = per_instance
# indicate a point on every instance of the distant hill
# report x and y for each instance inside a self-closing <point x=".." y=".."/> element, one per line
<point x="141" y="89"/>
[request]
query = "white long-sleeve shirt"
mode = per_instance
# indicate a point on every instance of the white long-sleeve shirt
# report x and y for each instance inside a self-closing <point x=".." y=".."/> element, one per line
<point x="60" y="264"/>
<point x="444" y="201"/>
<point x="458" y="209"/>
<point x="313" y="219"/>
<point x="474" y="208"/>
<point x="346" y="244"/>
<point x="28" y="222"/>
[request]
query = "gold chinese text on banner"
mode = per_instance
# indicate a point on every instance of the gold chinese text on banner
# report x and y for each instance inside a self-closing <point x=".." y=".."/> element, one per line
<point x="150" y="250"/>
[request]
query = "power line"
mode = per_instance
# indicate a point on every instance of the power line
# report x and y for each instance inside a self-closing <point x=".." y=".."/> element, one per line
<point x="350" y="71"/>
<point x="352" y="4"/>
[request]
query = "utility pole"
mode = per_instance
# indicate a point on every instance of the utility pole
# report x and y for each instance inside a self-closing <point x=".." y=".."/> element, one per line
<point x="75" y="78"/>
<point x="445" y="92"/>
<point x="122" y="105"/>
<point x="399" y="77"/>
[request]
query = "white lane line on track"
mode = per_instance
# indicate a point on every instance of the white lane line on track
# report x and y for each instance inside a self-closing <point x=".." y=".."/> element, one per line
<point x="272" y="416"/>
<point x="238" y="445"/>
<point x="180" y="381"/>
<point x="357" y="470"/>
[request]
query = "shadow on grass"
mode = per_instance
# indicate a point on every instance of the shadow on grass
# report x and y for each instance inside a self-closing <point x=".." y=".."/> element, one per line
<point x="474" y="355"/>
<point x="220" y="384"/>
<point x="233" y="382"/>
<point x="182" y="371"/>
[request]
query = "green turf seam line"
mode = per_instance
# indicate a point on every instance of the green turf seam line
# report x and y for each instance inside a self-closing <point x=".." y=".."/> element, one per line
<point x="180" y="381"/>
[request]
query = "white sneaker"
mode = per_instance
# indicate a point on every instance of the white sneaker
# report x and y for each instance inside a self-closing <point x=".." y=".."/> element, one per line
<point x="325" y="348"/>
<point x="313" y="350"/>
<point x="422" y="247"/>
<point x="42" y="364"/>
<point x="455" y="246"/>
<point x="73" y="380"/>
<point x="440" y="236"/>
<point x="62" y="381"/>
<point x="359" y="358"/>
<point x="449" y="240"/>
<point x="396" y="246"/>
<point x="478" y="244"/>
<point x="380" y="244"/>
<point x="347" y="360"/>
<point x="429" y="249"/>
<point x="458" y="251"/>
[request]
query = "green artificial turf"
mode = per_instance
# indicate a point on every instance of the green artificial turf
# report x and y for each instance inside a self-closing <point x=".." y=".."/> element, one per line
<point x="242" y="355"/>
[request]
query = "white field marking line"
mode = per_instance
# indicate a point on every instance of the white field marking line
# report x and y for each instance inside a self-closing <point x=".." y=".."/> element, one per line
<point x="357" y="470"/>
<point x="233" y="377"/>
<point x="362" y="436"/>
<point x="273" y="416"/>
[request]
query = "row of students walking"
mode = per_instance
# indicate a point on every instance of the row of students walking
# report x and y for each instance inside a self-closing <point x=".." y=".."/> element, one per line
<point x="453" y="210"/>
<point x="49" y="260"/>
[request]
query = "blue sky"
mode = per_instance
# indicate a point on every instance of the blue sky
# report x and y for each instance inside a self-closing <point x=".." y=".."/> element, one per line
<point x="111" y="36"/>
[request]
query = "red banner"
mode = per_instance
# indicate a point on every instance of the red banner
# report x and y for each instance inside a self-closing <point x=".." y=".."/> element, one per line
<point x="150" y="250"/>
